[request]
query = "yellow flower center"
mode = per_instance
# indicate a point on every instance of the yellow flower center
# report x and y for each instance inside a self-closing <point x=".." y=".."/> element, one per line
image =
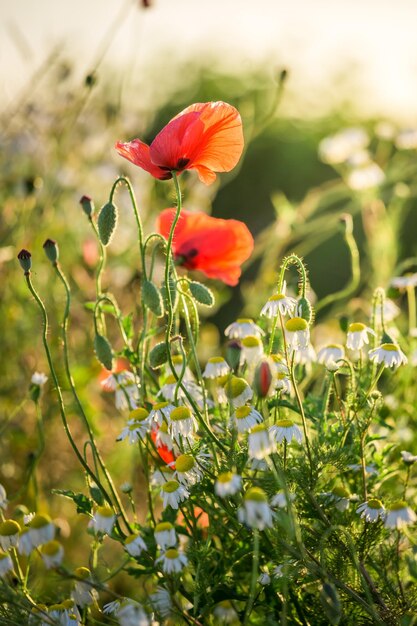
<point x="389" y="347"/>
<point x="83" y="572"/>
<point x="163" y="527"/>
<point x="216" y="359"/>
<point x="138" y="414"/>
<point x="251" y="341"/>
<point x="256" y="494"/>
<point x="374" y="503"/>
<point x="234" y="387"/>
<point x="396" y="506"/>
<point x="105" y="511"/>
<point x="258" y="428"/>
<point x="356" y="327"/>
<point x="295" y="324"/>
<point x="184" y="463"/>
<point x="39" y="521"/>
<point x="51" y="548"/>
<point x="285" y="423"/>
<point x="170" y="486"/>
<point x="226" y="477"/>
<point x="180" y="413"/>
<point x="9" y="528"/>
<point x="160" y="405"/>
<point x="340" y="492"/>
<point x="172" y="553"/>
<point x="244" y="320"/>
<point x="242" y="412"/>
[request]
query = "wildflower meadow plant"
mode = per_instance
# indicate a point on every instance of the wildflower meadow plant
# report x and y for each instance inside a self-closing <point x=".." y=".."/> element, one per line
<point x="258" y="505"/>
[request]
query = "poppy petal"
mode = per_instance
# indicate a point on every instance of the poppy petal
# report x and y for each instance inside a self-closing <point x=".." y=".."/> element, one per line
<point x="175" y="145"/>
<point x="137" y="152"/>
<point x="222" y="143"/>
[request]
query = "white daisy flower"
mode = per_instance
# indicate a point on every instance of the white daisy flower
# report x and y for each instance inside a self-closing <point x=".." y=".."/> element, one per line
<point x="391" y="311"/>
<point x="408" y="458"/>
<point x="279" y="364"/>
<point x="6" y="564"/>
<point x="281" y="500"/>
<point x="9" y="534"/>
<point x="372" y="510"/>
<point x="161" y="602"/>
<point x="286" y="429"/>
<point x="399" y="515"/>
<point x="331" y="353"/>
<point x="225" y="613"/>
<point x="264" y="579"/>
<point x="403" y="282"/>
<point x="182" y="424"/>
<point x="111" y="607"/>
<point x="238" y="391"/>
<point x="125" y="388"/>
<point x="388" y="354"/>
<point x="25" y="542"/>
<point x="279" y="303"/>
<point x="103" y="520"/>
<point x="52" y="554"/>
<point x="367" y="176"/>
<point x="84" y="593"/>
<point x="384" y="130"/>
<point x="134" y="544"/>
<point x="357" y="336"/>
<point x="338" y="148"/>
<point x="64" y="614"/>
<point x="227" y="484"/>
<point x="161" y="476"/>
<point x="131" y="613"/>
<point x="216" y="366"/>
<point x="297" y="333"/>
<point x="173" y="493"/>
<point x="369" y="469"/>
<point x="252" y="351"/>
<point x="187" y="470"/>
<point x="260" y="442"/>
<point x="3" y="497"/>
<point x="41" y="530"/>
<point x="406" y="139"/>
<point x="173" y="561"/>
<point x="165" y="535"/>
<point x="39" y="379"/>
<point x="138" y="426"/>
<point x="255" y="510"/>
<point x="163" y="438"/>
<point x="243" y="328"/>
<point x="160" y="413"/>
<point x="340" y="497"/>
<point x="245" y="417"/>
<point x="304" y="356"/>
<point x="282" y="383"/>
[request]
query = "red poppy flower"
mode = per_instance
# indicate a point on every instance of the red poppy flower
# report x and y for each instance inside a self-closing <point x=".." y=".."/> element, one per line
<point x="164" y="452"/>
<point x="211" y="245"/>
<point x="206" y="137"/>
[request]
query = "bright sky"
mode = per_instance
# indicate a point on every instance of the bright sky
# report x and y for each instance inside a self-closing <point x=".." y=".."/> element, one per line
<point x="321" y="41"/>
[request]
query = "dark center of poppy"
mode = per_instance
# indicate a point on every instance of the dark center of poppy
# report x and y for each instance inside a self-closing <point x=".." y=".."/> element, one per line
<point x="187" y="258"/>
<point x="182" y="163"/>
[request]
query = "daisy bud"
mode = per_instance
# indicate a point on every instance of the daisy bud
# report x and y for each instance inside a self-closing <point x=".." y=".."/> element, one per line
<point x="103" y="350"/>
<point x="233" y="350"/>
<point x="87" y="205"/>
<point x="305" y="310"/>
<point x="158" y="355"/>
<point x="52" y="554"/>
<point x="201" y="293"/>
<point x="152" y="298"/>
<point x="25" y="260"/>
<point x="262" y="378"/>
<point x="9" y="534"/>
<point x="107" y="222"/>
<point x="51" y="250"/>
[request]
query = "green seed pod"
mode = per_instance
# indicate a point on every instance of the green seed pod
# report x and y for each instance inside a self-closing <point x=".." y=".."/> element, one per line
<point x="201" y="293"/>
<point x="103" y="351"/>
<point x="97" y="495"/>
<point x="25" y="260"/>
<point x="51" y="250"/>
<point x="305" y="310"/>
<point x="107" y="222"/>
<point x="87" y="205"/>
<point x="173" y="291"/>
<point x="152" y="298"/>
<point x="158" y="355"/>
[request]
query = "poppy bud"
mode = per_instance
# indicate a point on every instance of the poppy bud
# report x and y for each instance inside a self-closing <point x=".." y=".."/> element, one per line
<point x="103" y="350"/>
<point x="97" y="494"/>
<point x="233" y="350"/>
<point x="344" y="323"/>
<point x="386" y="338"/>
<point x="305" y="310"/>
<point x="107" y="222"/>
<point x="25" y="260"/>
<point x="262" y="378"/>
<point x="158" y="355"/>
<point x="51" y="250"/>
<point x="87" y="205"/>
<point x="152" y="298"/>
<point x="201" y="293"/>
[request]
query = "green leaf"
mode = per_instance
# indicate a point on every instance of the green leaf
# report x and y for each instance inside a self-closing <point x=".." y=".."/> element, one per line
<point x="201" y="293"/>
<point x="103" y="351"/>
<point x="152" y="298"/>
<point x="83" y="503"/>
